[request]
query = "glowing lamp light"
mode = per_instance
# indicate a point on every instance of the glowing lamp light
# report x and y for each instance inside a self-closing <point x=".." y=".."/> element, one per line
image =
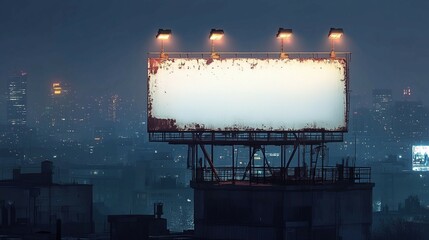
<point x="57" y="88"/>
<point x="335" y="33"/>
<point x="284" y="33"/>
<point x="216" y="34"/>
<point x="163" y="34"/>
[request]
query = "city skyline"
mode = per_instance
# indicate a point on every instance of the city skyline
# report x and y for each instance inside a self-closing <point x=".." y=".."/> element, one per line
<point x="214" y="119"/>
<point x="105" y="41"/>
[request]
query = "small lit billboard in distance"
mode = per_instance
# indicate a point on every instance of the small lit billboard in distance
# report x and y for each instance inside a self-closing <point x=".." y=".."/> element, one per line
<point x="420" y="158"/>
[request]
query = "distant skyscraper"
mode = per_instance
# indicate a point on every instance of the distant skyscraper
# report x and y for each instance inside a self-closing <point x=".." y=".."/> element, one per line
<point x="381" y="100"/>
<point x="113" y="108"/>
<point x="17" y="99"/>
<point x="62" y="111"/>
<point x="382" y="108"/>
<point x="410" y="120"/>
<point x="58" y="104"/>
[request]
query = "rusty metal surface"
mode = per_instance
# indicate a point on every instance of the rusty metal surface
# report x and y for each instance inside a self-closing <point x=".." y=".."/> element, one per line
<point x="247" y="94"/>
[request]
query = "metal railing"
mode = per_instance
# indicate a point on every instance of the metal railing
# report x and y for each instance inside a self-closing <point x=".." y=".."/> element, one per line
<point x="278" y="175"/>
<point x="344" y="55"/>
<point x="245" y="137"/>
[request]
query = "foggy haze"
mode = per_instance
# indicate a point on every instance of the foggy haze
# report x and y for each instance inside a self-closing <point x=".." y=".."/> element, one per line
<point x="75" y="149"/>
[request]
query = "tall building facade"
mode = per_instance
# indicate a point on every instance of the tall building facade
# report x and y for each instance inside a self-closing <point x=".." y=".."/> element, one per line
<point x="59" y="104"/>
<point x="382" y="110"/>
<point x="17" y="99"/>
<point x="410" y="121"/>
<point x="382" y="102"/>
<point x="62" y="112"/>
<point x="113" y="108"/>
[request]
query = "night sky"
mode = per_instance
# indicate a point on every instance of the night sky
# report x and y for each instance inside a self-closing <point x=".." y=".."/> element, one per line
<point x="99" y="46"/>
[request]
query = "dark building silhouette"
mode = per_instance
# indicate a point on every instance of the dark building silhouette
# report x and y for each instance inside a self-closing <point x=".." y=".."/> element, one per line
<point x="138" y="227"/>
<point x="31" y="202"/>
<point x="409" y="221"/>
<point x="296" y="206"/>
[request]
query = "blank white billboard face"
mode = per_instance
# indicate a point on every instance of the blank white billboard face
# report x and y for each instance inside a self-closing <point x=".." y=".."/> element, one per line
<point x="247" y="94"/>
<point x="420" y="158"/>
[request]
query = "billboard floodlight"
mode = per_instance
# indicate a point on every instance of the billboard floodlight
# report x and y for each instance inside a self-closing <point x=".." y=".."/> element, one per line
<point x="163" y="34"/>
<point x="215" y="35"/>
<point x="282" y="34"/>
<point x="334" y="34"/>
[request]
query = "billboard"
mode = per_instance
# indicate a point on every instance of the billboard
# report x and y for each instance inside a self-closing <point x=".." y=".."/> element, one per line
<point x="247" y="94"/>
<point x="420" y="158"/>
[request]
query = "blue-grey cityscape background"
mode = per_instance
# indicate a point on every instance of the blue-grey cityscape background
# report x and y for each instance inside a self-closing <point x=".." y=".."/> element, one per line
<point x="94" y="130"/>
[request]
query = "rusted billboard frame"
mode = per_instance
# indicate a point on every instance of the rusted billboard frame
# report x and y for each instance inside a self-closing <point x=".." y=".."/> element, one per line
<point x="161" y="135"/>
